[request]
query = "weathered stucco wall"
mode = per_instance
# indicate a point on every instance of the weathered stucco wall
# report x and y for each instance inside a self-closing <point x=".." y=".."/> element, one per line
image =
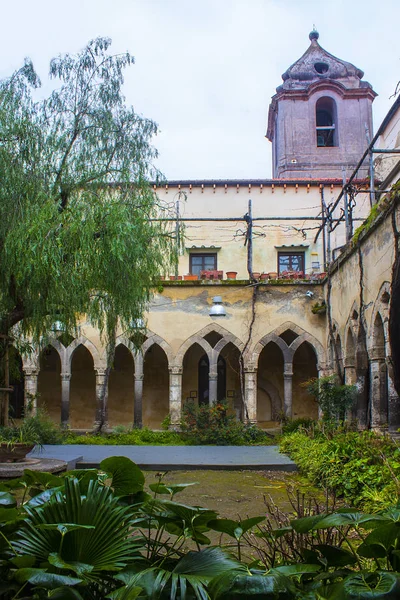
<point x="280" y="199"/>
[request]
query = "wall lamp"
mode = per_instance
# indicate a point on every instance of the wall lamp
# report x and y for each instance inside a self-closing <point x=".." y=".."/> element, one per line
<point x="217" y="309"/>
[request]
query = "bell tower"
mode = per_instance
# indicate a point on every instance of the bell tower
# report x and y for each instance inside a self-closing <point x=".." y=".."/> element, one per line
<point x="318" y="117"/>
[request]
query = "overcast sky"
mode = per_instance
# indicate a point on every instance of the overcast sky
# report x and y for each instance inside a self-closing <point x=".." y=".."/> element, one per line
<point x="205" y="70"/>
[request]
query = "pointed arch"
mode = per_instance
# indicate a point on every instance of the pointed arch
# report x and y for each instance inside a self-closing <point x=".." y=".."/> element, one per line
<point x="381" y="307"/>
<point x="98" y="362"/>
<point x="62" y="353"/>
<point x="288" y="351"/>
<point x="198" y="338"/>
<point x="267" y="339"/>
<point x="154" y="338"/>
<point x="124" y="341"/>
<point x="350" y="347"/>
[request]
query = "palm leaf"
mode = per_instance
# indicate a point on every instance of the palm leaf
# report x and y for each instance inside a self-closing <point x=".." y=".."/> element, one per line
<point x="193" y="572"/>
<point x="91" y="530"/>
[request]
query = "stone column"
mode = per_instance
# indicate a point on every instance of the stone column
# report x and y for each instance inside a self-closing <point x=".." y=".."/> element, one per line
<point x="65" y="395"/>
<point x="212" y="387"/>
<point x="350" y="378"/>
<point x="31" y="376"/>
<point x="138" y="386"/>
<point x="250" y="393"/>
<point x="101" y="408"/>
<point x="175" y="395"/>
<point x="378" y="392"/>
<point x="288" y="389"/>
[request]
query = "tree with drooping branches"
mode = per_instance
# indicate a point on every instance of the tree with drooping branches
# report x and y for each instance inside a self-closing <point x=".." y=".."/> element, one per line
<point x="81" y="230"/>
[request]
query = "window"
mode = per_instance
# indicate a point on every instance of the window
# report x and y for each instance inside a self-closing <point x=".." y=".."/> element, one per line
<point x="202" y="262"/>
<point x="325" y="112"/>
<point x="290" y="261"/>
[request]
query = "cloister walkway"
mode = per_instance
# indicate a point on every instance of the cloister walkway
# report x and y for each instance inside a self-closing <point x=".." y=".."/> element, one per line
<point x="172" y="458"/>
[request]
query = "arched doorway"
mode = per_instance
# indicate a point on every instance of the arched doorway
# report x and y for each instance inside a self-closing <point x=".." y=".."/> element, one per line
<point x="379" y="376"/>
<point x="362" y="381"/>
<point x="49" y="383"/>
<point x="83" y="389"/>
<point x="17" y="381"/>
<point x="229" y="379"/>
<point x="155" y="387"/>
<point x="204" y="379"/>
<point x="269" y="385"/>
<point x="121" y="388"/>
<point x="304" y="369"/>
<point x="192" y="363"/>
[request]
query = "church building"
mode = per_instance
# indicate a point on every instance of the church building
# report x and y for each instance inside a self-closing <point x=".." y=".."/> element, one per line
<point x="272" y="288"/>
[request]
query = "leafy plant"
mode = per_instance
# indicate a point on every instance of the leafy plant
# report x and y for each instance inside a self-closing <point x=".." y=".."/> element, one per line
<point x="216" y="424"/>
<point x="333" y="399"/>
<point x="362" y="467"/>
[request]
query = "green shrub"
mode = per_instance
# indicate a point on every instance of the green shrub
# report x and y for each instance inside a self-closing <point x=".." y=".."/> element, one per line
<point x="37" y="429"/>
<point x="215" y="425"/>
<point x="47" y="431"/>
<point x="361" y="467"/>
<point x="295" y="424"/>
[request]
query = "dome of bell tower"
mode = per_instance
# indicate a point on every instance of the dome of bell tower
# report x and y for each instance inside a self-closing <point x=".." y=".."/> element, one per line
<point x="317" y="118"/>
<point x="317" y="64"/>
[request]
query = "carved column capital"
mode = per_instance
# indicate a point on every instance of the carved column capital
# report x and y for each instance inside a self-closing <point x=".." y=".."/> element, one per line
<point x="174" y="370"/>
<point x="30" y="372"/>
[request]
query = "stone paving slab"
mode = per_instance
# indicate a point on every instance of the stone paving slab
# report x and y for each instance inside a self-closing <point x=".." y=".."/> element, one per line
<point x="49" y="465"/>
<point x="155" y="458"/>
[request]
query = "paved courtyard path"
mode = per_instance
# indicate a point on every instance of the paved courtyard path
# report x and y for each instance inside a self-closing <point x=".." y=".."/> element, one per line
<point x="173" y="457"/>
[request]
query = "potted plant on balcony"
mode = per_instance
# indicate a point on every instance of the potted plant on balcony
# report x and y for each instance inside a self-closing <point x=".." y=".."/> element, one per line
<point x="231" y="274"/>
<point x="319" y="308"/>
<point x="190" y="277"/>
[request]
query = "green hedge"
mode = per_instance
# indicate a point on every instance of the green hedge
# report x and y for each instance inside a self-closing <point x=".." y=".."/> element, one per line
<point x="361" y="467"/>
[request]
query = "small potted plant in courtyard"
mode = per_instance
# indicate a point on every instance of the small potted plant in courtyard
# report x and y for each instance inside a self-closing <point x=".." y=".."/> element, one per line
<point x="17" y="441"/>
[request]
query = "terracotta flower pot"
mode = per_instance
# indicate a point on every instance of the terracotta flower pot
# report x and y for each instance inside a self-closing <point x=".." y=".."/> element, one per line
<point x="273" y="275"/>
<point x="264" y="276"/>
<point x="256" y="275"/>
<point x="231" y="274"/>
<point x="175" y="277"/>
<point x="190" y="277"/>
